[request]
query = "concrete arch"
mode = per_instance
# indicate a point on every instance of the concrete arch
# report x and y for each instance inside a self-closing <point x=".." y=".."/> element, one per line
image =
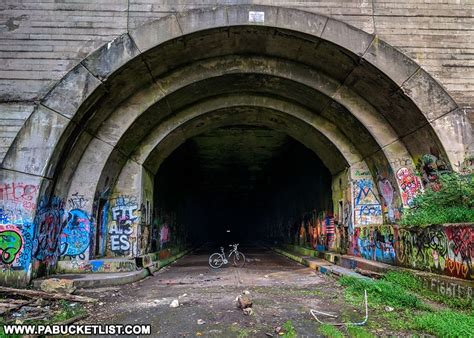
<point x="66" y="114"/>
<point x="80" y="88"/>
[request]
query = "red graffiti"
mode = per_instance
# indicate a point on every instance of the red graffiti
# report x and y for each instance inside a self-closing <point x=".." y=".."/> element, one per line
<point x="19" y="193"/>
<point x="456" y="269"/>
<point x="409" y="184"/>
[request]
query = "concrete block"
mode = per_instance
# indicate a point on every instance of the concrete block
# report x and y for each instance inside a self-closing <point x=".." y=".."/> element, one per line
<point x="111" y="56"/>
<point x="302" y="22"/>
<point x="390" y="61"/>
<point x="36" y="142"/>
<point x="428" y="95"/>
<point x="454" y="130"/>
<point x="201" y="19"/>
<point x="348" y="37"/>
<point x="156" y="32"/>
<point x="241" y="16"/>
<point x="72" y="91"/>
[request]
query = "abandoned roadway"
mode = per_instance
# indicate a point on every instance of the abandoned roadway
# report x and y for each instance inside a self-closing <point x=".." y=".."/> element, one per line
<point x="281" y="291"/>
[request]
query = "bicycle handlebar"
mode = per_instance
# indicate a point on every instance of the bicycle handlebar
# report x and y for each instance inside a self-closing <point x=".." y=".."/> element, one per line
<point x="234" y="244"/>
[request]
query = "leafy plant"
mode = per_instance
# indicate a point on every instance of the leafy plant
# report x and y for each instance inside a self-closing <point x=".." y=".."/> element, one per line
<point x="446" y="324"/>
<point x="451" y="202"/>
<point x="290" y="331"/>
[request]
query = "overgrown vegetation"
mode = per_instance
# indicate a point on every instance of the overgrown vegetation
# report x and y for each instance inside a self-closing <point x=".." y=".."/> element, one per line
<point x="410" y="282"/>
<point x="398" y="300"/>
<point x="451" y="202"/>
<point x="289" y="330"/>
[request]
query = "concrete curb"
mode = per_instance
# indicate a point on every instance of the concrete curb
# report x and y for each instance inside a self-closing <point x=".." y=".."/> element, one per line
<point x="344" y="265"/>
<point x="319" y="264"/>
<point x="96" y="280"/>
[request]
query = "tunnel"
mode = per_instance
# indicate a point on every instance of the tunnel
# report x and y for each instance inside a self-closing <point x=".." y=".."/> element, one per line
<point x="241" y="184"/>
<point x="190" y="126"/>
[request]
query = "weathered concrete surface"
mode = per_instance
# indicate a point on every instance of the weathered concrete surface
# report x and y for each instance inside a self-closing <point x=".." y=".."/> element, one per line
<point x="398" y="108"/>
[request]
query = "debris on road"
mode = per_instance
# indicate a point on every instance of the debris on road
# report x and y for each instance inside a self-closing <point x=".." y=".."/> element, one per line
<point x="45" y="295"/>
<point x="58" y="285"/>
<point x="243" y="302"/>
<point x="174" y="303"/>
<point x="248" y="311"/>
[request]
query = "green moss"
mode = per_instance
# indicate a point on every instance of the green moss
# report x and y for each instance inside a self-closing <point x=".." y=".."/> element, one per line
<point x="359" y="332"/>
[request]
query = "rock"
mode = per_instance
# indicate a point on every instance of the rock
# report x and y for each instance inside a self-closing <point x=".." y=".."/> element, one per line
<point x="200" y="322"/>
<point x="174" y="303"/>
<point x="277" y="329"/>
<point x="57" y="285"/>
<point x="246" y="292"/>
<point x="243" y="302"/>
<point x="248" y="311"/>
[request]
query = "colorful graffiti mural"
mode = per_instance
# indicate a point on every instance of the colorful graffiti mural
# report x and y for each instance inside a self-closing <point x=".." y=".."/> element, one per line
<point x="367" y="206"/>
<point x="75" y="237"/>
<point x="124" y="222"/>
<point x="410" y="185"/>
<point x="446" y="250"/>
<point x="11" y="243"/>
<point x="17" y="202"/>
<point x="49" y="227"/>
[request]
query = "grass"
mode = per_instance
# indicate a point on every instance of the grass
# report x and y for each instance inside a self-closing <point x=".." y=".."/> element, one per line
<point x="330" y="331"/>
<point x="413" y="283"/>
<point x="289" y="329"/>
<point x="359" y="332"/>
<point x="382" y="292"/>
<point x="403" y="292"/>
<point x="68" y="310"/>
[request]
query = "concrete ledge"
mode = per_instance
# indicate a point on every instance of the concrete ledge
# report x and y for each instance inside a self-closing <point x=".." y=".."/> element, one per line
<point x="344" y="265"/>
<point x="95" y="279"/>
<point x="109" y="265"/>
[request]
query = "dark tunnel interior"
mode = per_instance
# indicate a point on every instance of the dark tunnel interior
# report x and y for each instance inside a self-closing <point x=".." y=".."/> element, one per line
<point x="234" y="184"/>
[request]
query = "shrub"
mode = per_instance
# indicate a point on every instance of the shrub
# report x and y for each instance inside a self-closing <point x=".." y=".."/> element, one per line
<point x="453" y="202"/>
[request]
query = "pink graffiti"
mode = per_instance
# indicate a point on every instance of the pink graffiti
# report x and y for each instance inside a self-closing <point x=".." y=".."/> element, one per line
<point x="409" y="184"/>
<point x="19" y="193"/>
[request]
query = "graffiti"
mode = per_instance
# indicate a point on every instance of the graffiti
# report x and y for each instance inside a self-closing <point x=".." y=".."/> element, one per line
<point x="75" y="237"/>
<point x="77" y="201"/>
<point x="446" y="250"/>
<point x="387" y="192"/>
<point x="367" y="206"/>
<point x="375" y="243"/>
<point x="400" y="162"/>
<point x="49" y="224"/>
<point x="409" y="184"/>
<point x="431" y="166"/>
<point x="19" y="194"/>
<point x="11" y="243"/>
<point x="124" y="218"/>
<point x="164" y="234"/>
<point x="347" y="217"/>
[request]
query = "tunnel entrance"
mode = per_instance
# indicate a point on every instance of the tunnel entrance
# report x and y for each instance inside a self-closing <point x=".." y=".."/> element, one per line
<point x="240" y="183"/>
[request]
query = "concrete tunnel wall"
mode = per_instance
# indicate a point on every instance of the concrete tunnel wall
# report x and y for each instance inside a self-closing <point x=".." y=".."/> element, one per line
<point x="92" y="117"/>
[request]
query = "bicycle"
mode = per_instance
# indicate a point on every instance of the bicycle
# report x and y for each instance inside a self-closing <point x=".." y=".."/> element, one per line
<point x="216" y="260"/>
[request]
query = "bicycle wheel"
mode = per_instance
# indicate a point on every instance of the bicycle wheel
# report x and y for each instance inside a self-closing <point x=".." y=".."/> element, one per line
<point x="239" y="259"/>
<point x="215" y="260"/>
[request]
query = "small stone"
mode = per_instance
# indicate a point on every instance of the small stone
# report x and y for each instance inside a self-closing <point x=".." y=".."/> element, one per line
<point x="278" y="329"/>
<point x="174" y="303"/>
<point x="101" y="303"/>
<point x="200" y="322"/>
<point x="389" y="308"/>
<point x="248" y="311"/>
<point x="58" y="285"/>
<point x="266" y="276"/>
<point x="246" y="292"/>
<point x="183" y="295"/>
<point x="243" y="302"/>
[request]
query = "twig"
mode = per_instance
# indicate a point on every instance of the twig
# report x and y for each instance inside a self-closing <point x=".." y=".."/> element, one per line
<point x="46" y="295"/>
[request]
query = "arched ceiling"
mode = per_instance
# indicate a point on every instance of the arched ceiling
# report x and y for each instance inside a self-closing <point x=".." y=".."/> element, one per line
<point x="380" y="100"/>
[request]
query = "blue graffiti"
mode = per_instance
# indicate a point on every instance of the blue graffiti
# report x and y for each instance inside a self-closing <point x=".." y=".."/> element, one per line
<point x="75" y="237"/>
